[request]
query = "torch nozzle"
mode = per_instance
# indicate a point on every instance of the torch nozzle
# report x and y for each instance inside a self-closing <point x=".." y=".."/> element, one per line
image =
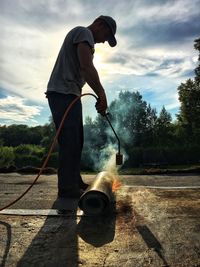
<point x="119" y="159"/>
<point x="119" y="156"/>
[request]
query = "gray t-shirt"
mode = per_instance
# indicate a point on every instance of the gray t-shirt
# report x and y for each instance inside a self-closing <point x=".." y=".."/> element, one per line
<point x="66" y="76"/>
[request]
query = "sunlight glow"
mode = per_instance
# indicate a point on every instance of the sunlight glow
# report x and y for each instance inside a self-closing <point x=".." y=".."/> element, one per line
<point x="101" y="60"/>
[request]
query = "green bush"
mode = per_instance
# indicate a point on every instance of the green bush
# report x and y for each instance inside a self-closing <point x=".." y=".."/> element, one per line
<point x="153" y="155"/>
<point x="53" y="161"/>
<point x="162" y="156"/>
<point x="27" y="160"/>
<point x="28" y="155"/>
<point x="183" y="155"/>
<point x="88" y="159"/>
<point x="26" y="149"/>
<point x="135" y="157"/>
<point x="7" y="156"/>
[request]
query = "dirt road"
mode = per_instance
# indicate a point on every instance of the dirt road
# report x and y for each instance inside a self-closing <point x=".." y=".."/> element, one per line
<point x="146" y="227"/>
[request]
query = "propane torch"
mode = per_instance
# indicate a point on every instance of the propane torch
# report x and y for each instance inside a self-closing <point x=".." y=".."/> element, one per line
<point x="119" y="156"/>
<point x="98" y="196"/>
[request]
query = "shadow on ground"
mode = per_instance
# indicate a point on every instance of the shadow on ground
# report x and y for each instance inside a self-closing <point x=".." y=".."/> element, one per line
<point x="152" y="242"/>
<point x="56" y="244"/>
<point x="8" y="242"/>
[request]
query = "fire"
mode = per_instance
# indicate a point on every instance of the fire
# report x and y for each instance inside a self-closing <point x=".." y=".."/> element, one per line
<point x="116" y="185"/>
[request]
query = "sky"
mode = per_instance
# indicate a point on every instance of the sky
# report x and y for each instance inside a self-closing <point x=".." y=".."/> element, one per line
<point x="154" y="55"/>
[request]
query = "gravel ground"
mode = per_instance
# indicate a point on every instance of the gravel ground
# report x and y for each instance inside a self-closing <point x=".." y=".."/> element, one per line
<point x="145" y="227"/>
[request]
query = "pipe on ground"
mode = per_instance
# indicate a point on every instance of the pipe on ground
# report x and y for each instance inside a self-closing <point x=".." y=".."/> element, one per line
<point x="97" y="198"/>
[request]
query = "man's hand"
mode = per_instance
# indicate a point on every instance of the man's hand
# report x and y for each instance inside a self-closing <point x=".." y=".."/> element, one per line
<point x="101" y="104"/>
<point x="91" y="76"/>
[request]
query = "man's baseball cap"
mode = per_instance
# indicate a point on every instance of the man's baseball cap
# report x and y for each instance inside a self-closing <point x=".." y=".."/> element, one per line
<point x="113" y="27"/>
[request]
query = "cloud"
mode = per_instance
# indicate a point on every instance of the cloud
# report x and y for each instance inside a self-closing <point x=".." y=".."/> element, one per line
<point x="14" y="110"/>
<point x="41" y="14"/>
<point x="154" y="62"/>
<point x="170" y="31"/>
<point x="155" y="45"/>
<point x="156" y="13"/>
<point x="156" y="33"/>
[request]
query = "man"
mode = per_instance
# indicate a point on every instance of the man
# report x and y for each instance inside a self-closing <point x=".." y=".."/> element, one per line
<point x="73" y="67"/>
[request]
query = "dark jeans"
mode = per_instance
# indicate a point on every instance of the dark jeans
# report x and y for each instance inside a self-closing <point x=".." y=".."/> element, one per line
<point x="70" y="140"/>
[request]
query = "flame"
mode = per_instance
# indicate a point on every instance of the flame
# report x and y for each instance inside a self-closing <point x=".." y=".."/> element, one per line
<point x="116" y="185"/>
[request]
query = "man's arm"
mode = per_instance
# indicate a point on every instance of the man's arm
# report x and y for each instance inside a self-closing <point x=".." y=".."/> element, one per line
<point x="91" y="76"/>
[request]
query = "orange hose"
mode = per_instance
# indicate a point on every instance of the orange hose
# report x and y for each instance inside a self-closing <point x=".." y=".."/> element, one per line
<point x="50" y="150"/>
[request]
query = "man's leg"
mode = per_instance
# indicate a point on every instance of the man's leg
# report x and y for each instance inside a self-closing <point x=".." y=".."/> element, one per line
<point x="70" y="142"/>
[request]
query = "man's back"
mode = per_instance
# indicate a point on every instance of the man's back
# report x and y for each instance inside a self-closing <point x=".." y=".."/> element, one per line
<point x="66" y="75"/>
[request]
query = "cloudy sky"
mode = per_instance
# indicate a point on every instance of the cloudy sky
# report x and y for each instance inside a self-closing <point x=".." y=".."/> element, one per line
<point x="154" y="53"/>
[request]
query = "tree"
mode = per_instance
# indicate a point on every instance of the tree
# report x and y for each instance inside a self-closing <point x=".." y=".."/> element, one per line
<point x="163" y="128"/>
<point x="90" y="148"/>
<point x="35" y="135"/>
<point x="101" y="129"/>
<point x="189" y="96"/>
<point x="14" y="134"/>
<point x="197" y="70"/>
<point x="129" y="114"/>
<point x="150" y="134"/>
<point x="90" y="134"/>
<point x="6" y="156"/>
<point x="48" y="133"/>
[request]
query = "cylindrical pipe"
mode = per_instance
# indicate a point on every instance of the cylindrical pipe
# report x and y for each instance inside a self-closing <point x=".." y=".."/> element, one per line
<point x="98" y="195"/>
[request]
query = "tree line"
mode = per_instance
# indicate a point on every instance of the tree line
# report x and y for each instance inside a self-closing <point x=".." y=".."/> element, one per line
<point x="147" y="137"/>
